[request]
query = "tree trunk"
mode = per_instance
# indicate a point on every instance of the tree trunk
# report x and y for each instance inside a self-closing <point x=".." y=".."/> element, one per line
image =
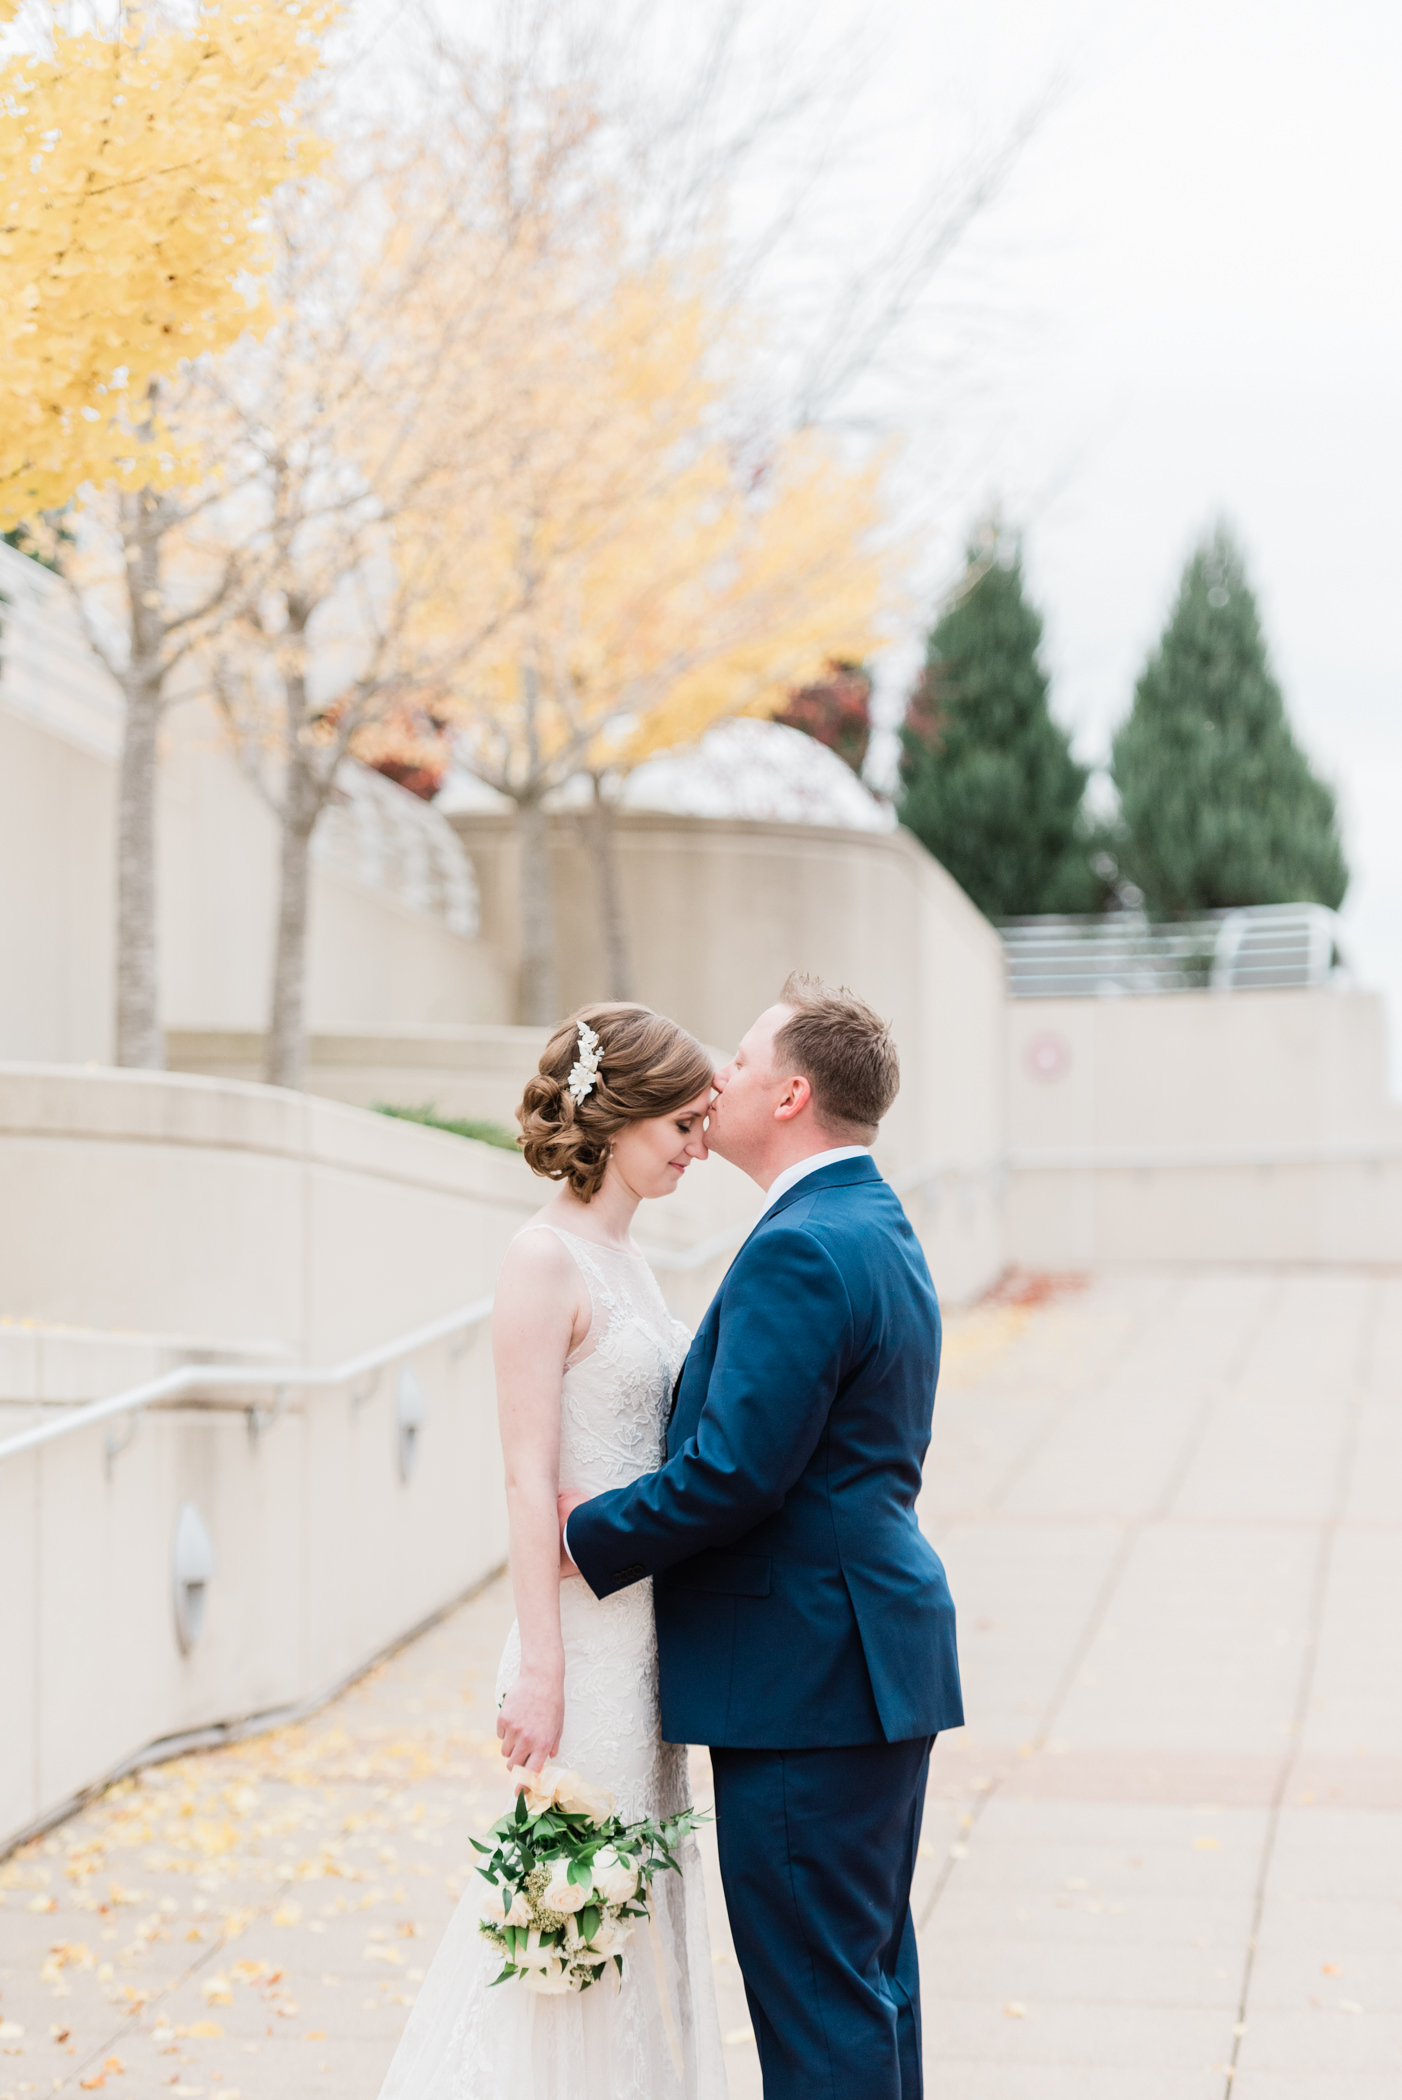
<point x="601" y="837"/>
<point x="540" y="989"/>
<point x="304" y="796"/>
<point x="140" y="1037"/>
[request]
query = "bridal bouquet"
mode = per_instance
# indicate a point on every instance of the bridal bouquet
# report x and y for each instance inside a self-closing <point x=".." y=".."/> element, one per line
<point x="567" y="1880"/>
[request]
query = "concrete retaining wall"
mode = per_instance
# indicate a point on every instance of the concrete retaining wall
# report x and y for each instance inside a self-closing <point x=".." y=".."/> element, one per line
<point x="208" y="1220"/>
<point x="1240" y="1127"/>
<point x="227" y="1221"/>
<point x="324" y="1553"/>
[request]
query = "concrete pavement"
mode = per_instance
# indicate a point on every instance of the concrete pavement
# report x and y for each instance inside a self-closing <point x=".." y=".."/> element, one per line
<point x="1163" y="1858"/>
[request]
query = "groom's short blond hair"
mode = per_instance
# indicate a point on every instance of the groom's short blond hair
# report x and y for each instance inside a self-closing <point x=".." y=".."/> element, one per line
<point x="844" y="1050"/>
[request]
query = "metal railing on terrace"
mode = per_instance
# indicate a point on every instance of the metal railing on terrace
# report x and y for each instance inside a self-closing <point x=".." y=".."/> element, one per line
<point x="239" y="1382"/>
<point x="1261" y="947"/>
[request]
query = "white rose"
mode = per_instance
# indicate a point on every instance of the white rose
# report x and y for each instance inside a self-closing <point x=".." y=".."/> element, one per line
<point x="580" y="1797"/>
<point x="492" y="1909"/>
<point x="612" y="1934"/>
<point x="615" y="1879"/>
<point x="560" y="1892"/>
<point x="520" y="1911"/>
<point x="551" y="1980"/>
<point x="554" y="1787"/>
<point x="533" y="1955"/>
<point x="538" y="1787"/>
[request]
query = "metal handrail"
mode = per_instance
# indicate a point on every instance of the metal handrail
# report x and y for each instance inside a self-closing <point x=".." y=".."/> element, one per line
<point x="201" y="1378"/>
<point x="188" y="1379"/>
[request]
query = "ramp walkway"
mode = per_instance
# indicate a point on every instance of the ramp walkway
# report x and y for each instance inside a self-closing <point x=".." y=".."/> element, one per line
<point x="1163" y="1861"/>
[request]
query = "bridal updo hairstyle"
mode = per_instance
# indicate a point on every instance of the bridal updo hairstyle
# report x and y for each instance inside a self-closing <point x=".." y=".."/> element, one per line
<point x="647" y="1067"/>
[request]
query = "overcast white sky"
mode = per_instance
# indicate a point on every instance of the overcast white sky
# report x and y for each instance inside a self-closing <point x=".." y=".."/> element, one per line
<point x="1188" y="303"/>
<point x="1196" y="274"/>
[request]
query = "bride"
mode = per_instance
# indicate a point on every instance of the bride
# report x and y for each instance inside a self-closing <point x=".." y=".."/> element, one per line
<point x="586" y="1359"/>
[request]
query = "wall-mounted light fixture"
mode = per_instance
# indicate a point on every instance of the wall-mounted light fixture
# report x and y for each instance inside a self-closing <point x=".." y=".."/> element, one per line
<point x="410" y="1410"/>
<point x="192" y="1571"/>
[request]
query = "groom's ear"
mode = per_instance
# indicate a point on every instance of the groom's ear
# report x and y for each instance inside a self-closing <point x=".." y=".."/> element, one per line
<point x="795" y="1098"/>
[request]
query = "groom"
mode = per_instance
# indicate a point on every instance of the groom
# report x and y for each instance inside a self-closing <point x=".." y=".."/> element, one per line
<point x="805" y="1630"/>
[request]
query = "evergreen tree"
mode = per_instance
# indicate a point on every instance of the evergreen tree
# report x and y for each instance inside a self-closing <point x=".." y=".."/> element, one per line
<point x="1218" y="803"/>
<point x="988" y="782"/>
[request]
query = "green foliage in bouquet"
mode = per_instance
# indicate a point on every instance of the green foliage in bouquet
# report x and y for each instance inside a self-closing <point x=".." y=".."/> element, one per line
<point x="567" y="1880"/>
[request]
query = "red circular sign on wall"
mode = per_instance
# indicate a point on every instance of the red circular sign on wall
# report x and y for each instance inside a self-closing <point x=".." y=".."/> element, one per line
<point x="1048" y="1056"/>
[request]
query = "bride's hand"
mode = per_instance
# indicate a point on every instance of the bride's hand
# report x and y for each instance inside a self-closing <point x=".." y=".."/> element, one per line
<point x="531" y="1718"/>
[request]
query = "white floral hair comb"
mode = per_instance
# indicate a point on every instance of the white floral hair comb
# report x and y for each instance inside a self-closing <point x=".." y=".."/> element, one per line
<point x="584" y="1072"/>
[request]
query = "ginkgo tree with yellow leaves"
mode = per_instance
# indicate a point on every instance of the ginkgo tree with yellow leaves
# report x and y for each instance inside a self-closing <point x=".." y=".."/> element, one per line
<point x="648" y="576"/>
<point x="137" y="161"/>
<point x="136" y="164"/>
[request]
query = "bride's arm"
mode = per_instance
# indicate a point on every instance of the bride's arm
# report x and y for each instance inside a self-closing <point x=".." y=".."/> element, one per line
<point x="535" y="1322"/>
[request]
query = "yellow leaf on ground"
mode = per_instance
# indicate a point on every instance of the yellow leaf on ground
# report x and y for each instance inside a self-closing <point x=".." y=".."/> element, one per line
<point x="206" y="2031"/>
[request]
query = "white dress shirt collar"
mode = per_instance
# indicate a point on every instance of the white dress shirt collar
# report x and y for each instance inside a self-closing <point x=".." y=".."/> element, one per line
<point x="782" y="1183"/>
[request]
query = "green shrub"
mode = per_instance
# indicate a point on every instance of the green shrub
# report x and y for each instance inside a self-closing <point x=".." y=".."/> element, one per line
<point x="456" y="1126"/>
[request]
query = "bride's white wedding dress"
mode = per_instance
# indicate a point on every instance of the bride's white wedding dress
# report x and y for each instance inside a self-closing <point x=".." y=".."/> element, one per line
<point x="656" y="2037"/>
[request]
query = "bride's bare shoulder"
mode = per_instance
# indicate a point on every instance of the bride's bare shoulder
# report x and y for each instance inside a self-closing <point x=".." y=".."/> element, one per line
<point x="538" y="1263"/>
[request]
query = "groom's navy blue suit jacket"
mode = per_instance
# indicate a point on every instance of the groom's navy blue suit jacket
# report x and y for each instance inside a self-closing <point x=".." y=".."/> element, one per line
<point x="798" y="1603"/>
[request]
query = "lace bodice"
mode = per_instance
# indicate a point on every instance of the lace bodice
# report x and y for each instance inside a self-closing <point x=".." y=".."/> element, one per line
<point x="617" y="1386"/>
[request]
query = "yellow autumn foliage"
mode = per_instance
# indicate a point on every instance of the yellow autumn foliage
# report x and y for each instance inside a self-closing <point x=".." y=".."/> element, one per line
<point x="637" y="576"/>
<point x="133" y="170"/>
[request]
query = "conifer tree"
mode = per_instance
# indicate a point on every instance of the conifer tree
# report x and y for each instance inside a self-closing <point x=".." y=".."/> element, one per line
<point x="1218" y="803"/>
<point x="988" y="781"/>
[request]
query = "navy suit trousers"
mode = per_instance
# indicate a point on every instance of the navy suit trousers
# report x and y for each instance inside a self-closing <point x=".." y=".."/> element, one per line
<point x="817" y="1852"/>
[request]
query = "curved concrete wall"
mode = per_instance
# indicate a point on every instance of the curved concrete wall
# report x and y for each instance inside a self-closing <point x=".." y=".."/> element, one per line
<point x="169" y="1203"/>
<point x="248" y="1220"/>
<point x="387" y="942"/>
<point x="207" y="1219"/>
<point x="372" y="956"/>
<point x="57" y="841"/>
<point x="720" y="910"/>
